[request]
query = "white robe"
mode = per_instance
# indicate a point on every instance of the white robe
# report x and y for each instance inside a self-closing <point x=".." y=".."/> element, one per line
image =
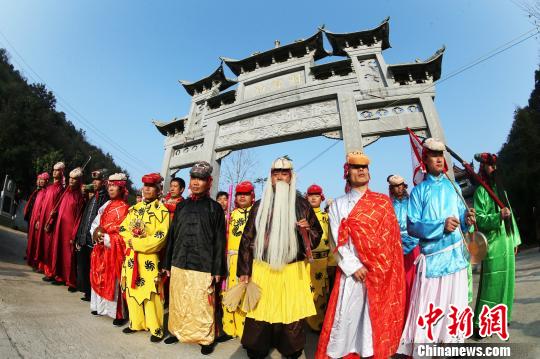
<point x="351" y="330"/>
<point x="97" y="303"/>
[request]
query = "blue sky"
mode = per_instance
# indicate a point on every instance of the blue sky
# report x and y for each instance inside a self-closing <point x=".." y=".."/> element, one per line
<point x="117" y="64"/>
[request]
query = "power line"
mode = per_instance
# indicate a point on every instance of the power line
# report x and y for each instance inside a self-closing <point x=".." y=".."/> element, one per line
<point x="498" y="50"/>
<point x="69" y="108"/>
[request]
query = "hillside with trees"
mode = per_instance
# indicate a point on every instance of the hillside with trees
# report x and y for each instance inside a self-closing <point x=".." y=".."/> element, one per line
<point x="519" y="164"/>
<point x="34" y="135"/>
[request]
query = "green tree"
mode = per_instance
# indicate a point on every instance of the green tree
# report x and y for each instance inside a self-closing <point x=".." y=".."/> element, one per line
<point x="519" y="164"/>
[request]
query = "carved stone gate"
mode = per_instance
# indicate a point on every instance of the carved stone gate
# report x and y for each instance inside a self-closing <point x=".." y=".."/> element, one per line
<point x="284" y="94"/>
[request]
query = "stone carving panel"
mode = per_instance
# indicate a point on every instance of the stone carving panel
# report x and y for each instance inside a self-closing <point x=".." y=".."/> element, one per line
<point x="281" y="123"/>
<point x="366" y="114"/>
<point x="274" y="84"/>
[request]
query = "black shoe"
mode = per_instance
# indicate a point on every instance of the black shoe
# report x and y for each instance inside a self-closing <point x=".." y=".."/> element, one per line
<point x="55" y="282"/>
<point x="85" y="299"/>
<point x="119" y="322"/>
<point x="155" y="339"/>
<point x="47" y="279"/>
<point x="72" y="289"/>
<point x="128" y="330"/>
<point x="171" y="340"/>
<point x="223" y="338"/>
<point x="94" y="312"/>
<point x="256" y="355"/>
<point x="207" y="349"/>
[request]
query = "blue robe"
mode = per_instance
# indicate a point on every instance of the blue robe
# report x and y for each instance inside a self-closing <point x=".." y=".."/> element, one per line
<point x="400" y="207"/>
<point x="430" y="204"/>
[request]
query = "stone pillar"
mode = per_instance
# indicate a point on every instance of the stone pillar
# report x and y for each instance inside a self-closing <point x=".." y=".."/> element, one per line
<point x="165" y="169"/>
<point x="434" y="127"/>
<point x="350" y="125"/>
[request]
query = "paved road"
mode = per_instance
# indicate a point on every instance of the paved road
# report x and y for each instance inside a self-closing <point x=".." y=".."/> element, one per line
<point x="38" y="320"/>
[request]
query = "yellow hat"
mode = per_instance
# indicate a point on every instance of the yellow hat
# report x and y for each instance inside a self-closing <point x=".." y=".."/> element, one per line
<point x="357" y="158"/>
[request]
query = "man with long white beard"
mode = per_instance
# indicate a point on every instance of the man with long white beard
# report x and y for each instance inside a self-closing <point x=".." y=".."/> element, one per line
<point x="281" y="231"/>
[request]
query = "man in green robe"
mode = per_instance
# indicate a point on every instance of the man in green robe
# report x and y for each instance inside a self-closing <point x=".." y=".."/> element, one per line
<point x="497" y="278"/>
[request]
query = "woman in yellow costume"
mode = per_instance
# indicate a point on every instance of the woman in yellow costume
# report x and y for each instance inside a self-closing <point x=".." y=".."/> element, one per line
<point x="233" y="322"/>
<point x="323" y="261"/>
<point x="144" y="231"/>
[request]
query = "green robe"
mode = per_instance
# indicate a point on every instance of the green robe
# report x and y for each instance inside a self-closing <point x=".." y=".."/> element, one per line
<point x="497" y="278"/>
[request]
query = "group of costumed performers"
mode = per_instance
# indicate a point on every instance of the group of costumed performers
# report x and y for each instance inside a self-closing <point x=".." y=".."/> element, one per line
<point x="361" y="274"/>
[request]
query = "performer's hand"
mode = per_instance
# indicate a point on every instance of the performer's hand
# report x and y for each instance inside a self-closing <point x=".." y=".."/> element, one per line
<point x="451" y="224"/>
<point x="515" y="250"/>
<point x="505" y="213"/>
<point x="37" y="225"/>
<point x="471" y="217"/>
<point x="77" y="247"/>
<point x="167" y="272"/>
<point x="303" y="223"/>
<point x="244" y="279"/>
<point x="360" y="275"/>
<point x="217" y="278"/>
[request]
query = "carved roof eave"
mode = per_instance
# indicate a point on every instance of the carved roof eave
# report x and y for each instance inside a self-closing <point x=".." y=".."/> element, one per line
<point x="339" y="40"/>
<point x="337" y="65"/>
<point x="315" y="42"/>
<point x="432" y="65"/>
<point x="166" y="128"/>
<point x="208" y="82"/>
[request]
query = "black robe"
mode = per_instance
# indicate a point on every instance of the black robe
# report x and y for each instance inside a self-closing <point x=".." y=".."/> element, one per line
<point x="196" y="238"/>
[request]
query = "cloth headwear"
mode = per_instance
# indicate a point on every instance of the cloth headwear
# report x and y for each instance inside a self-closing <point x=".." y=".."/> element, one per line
<point x="201" y="170"/>
<point x="44" y="176"/>
<point x="76" y="173"/>
<point x="315" y="189"/>
<point x="433" y="144"/>
<point x="357" y="158"/>
<point x="99" y="174"/>
<point x="245" y="187"/>
<point x="395" y="180"/>
<point x="486" y="158"/>
<point x="154" y="179"/>
<point x="282" y="163"/>
<point x="59" y="166"/>
<point x="117" y="179"/>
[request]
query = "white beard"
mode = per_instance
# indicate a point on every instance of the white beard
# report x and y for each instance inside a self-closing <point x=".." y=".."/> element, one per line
<point x="281" y="206"/>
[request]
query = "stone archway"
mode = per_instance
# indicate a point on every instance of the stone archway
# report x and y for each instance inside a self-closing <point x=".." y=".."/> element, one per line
<point x="283" y="94"/>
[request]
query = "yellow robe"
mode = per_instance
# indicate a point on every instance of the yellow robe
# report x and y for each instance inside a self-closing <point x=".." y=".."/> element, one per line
<point x="322" y="259"/>
<point x="233" y="322"/>
<point x="144" y="305"/>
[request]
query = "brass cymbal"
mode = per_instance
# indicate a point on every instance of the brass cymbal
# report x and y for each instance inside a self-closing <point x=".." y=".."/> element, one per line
<point x="477" y="246"/>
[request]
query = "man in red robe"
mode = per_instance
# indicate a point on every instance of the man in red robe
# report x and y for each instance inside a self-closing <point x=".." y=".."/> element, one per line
<point x="108" y="253"/>
<point x="31" y="214"/>
<point x="43" y="229"/>
<point x="65" y="228"/>
<point x="365" y="313"/>
<point x="171" y="200"/>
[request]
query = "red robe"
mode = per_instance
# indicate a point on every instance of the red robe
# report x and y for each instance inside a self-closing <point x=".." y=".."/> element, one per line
<point x="171" y="204"/>
<point x="65" y="229"/>
<point x="106" y="263"/>
<point x="32" y="231"/>
<point x="374" y="232"/>
<point x="43" y="238"/>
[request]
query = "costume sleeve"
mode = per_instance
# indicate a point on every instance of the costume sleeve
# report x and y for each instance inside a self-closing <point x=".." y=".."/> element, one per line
<point x="345" y="256"/>
<point x="124" y="226"/>
<point x="247" y="244"/>
<point x="315" y="231"/>
<point x="487" y="221"/>
<point x="462" y="211"/>
<point x="218" y="262"/>
<point x="427" y="229"/>
<point x="516" y="237"/>
<point x="95" y="222"/>
<point x="171" y="239"/>
<point x="154" y="243"/>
